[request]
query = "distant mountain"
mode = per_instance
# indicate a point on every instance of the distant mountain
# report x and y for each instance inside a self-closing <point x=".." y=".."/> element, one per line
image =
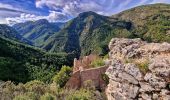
<point x="37" y="31"/>
<point x="90" y="32"/>
<point x="87" y="33"/>
<point x="10" y="33"/>
<point x="151" y="22"/>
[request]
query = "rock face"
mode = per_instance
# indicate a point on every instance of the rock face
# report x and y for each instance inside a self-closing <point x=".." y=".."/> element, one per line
<point x="138" y="70"/>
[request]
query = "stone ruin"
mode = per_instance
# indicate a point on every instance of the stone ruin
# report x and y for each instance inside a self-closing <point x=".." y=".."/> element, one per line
<point x="83" y="63"/>
<point x="82" y="72"/>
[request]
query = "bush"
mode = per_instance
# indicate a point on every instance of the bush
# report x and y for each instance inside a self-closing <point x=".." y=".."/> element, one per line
<point x="105" y="78"/>
<point x="22" y="97"/>
<point x="27" y="96"/>
<point x="62" y="76"/>
<point x="82" y="94"/>
<point x="89" y="85"/>
<point x="97" y="63"/>
<point x="48" y="96"/>
<point x="43" y="72"/>
<point x="36" y="86"/>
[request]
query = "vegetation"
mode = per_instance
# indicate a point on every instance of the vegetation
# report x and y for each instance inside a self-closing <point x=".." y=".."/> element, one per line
<point x="105" y="78"/>
<point x="48" y="96"/>
<point x="62" y="76"/>
<point x="10" y="33"/>
<point x="87" y="33"/>
<point x="81" y="94"/>
<point x="37" y="31"/>
<point x="97" y="63"/>
<point x="151" y="22"/>
<point x="40" y="75"/>
<point x="143" y="66"/>
<point x="22" y="63"/>
<point x="90" y="33"/>
<point x="37" y="90"/>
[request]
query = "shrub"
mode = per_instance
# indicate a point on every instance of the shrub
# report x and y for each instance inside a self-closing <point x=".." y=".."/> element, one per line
<point x="105" y="78"/>
<point x="27" y="96"/>
<point x="22" y="97"/>
<point x="141" y="63"/>
<point x="82" y="94"/>
<point x="43" y="72"/>
<point x="89" y="85"/>
<point x="36" y="86"/>
<point x="48" y="96"/>
<point x="62" y="76"/>
<point x="8" y="90"/>
<point x="143" y="66"/>
<point x="97" y="63"/>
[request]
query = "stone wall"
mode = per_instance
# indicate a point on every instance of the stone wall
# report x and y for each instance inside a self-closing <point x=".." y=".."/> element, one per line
<point x="78" y="78"/>
<point x="138" y="70"/>
<point x="83" y="63"/>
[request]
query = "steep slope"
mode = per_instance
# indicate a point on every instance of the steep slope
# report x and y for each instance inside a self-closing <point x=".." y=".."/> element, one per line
<point x="37" y="31"/>
<point x="21" y="63"/>
<point x="151" y="22"/>
<point x="11" y="33"/>
<point x="87" y="33"/>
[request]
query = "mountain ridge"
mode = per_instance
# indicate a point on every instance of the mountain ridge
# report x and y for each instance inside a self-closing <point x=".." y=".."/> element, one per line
<point x="37" y="31"/>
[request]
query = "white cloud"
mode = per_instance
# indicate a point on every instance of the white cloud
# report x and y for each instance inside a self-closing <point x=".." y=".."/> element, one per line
<point x="62" y="10"/>
<point x="7" y="6"/>
<point x="106" y="7"/>
<point x="52" y="17"/>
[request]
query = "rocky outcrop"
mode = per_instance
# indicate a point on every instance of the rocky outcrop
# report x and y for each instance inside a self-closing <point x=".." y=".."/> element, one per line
<point x="138" y="70"/>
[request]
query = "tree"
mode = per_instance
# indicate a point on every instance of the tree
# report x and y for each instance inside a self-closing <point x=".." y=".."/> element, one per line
<point x="62" y="76"/>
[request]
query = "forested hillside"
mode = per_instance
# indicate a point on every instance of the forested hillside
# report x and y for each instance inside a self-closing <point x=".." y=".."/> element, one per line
<point x="37" y="31"/>
<point x="151" y="22"/>
<point x="9" y="32"/>
<point x="21" y="63"/>
<point x="87" y="33"/>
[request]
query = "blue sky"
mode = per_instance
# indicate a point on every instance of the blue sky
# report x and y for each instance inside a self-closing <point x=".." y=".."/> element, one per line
<point x="15" y="11"/>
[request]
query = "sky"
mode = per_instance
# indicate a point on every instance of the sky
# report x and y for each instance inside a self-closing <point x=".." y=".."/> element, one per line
<point x="17" y="11"/>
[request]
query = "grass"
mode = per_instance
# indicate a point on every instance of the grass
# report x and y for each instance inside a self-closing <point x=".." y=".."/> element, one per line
<point x="141" y="63"/>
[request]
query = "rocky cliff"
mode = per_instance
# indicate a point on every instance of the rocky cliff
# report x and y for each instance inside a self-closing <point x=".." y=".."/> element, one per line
<point x="138" y="70"/>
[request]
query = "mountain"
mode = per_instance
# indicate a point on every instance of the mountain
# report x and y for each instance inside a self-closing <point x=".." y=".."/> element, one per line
<point x="151" y="22"/>
<point x="21" y="63"/>
<point x="90" y="32"/>
<point x="87" y="33"/>
<point x="37" y="31"/>
<point x="10" y="33"/>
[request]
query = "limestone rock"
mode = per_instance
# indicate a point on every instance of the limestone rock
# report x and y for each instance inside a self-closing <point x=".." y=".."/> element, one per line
<point x="138" y="70"/>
